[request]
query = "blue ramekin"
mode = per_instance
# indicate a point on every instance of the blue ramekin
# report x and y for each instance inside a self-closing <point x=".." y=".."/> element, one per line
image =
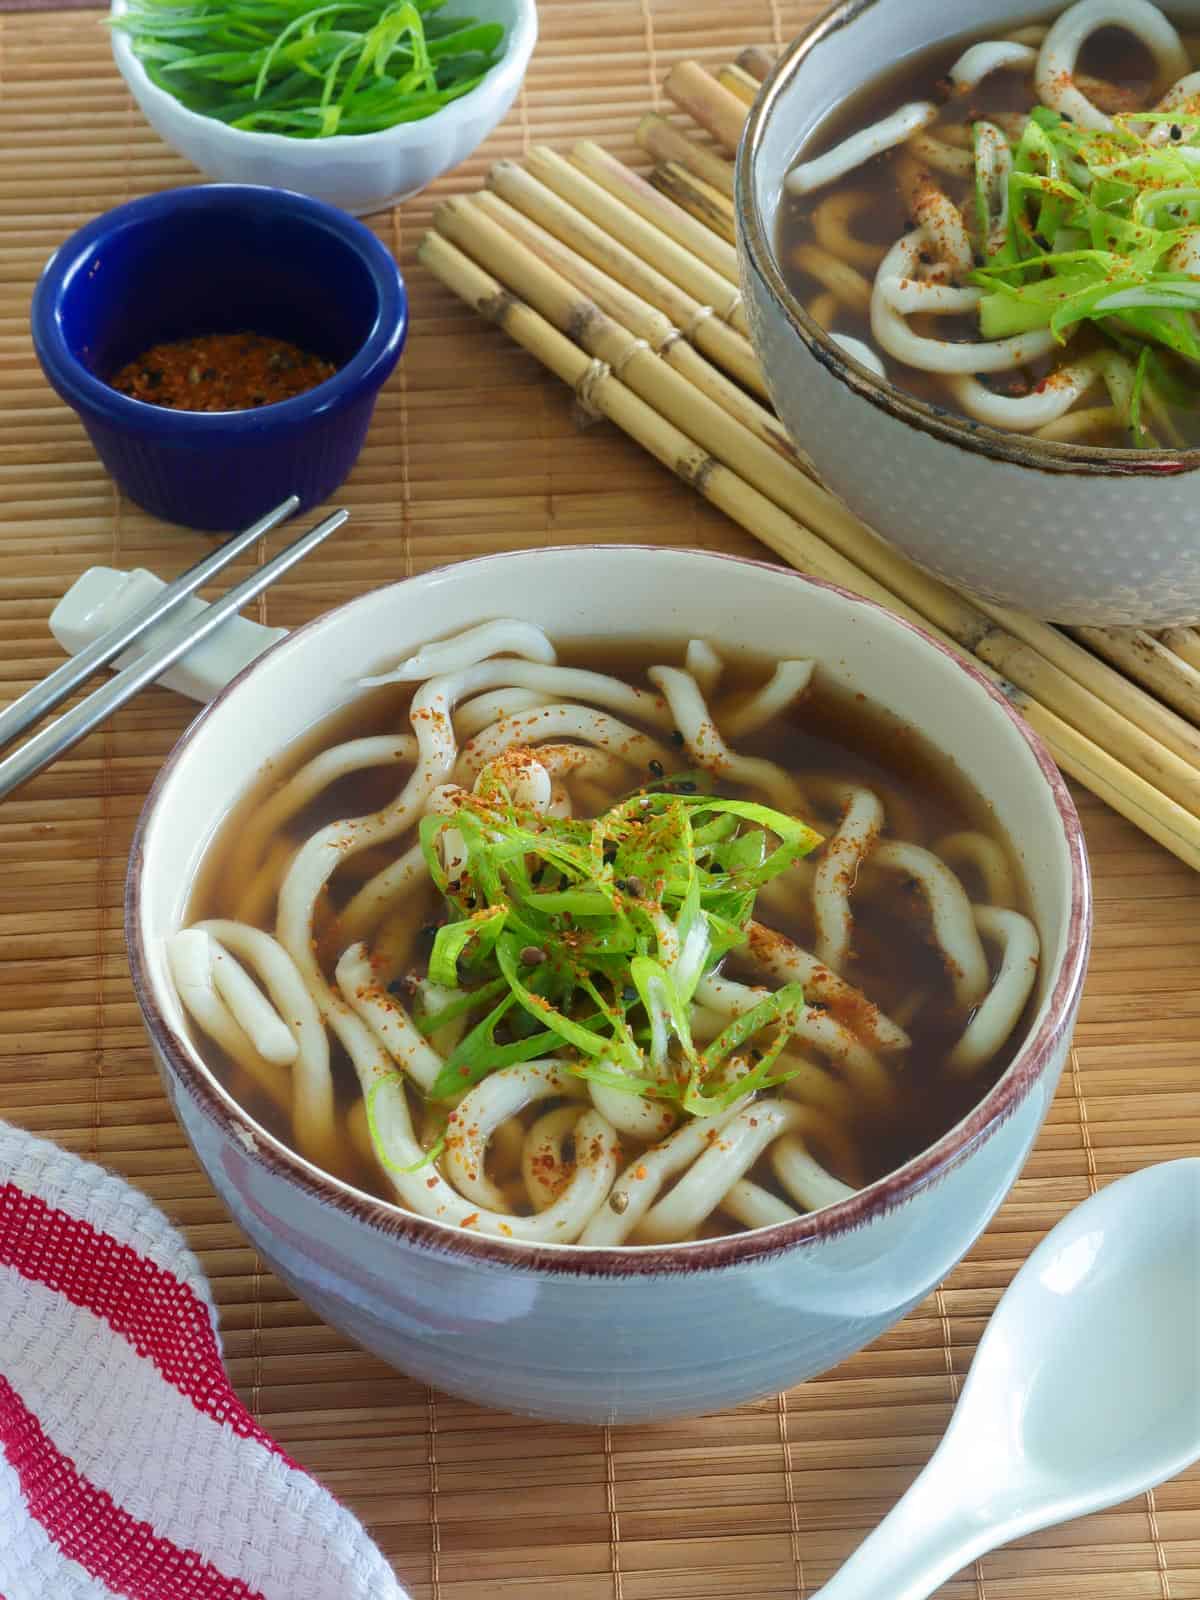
<point x="210" y="259"/>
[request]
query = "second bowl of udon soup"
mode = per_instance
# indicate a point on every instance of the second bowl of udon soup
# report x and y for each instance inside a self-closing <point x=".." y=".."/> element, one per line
<point x="554" y="1242"/>
<point x="1046" y="468"/>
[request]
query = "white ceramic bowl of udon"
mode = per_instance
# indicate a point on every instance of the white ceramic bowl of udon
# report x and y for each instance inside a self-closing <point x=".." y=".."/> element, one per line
<point x="1071" y="533"/>
<point x="609" y="1335"/>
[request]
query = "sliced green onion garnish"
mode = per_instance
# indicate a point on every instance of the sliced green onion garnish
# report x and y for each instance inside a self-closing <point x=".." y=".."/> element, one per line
<point x="586" y="940"/>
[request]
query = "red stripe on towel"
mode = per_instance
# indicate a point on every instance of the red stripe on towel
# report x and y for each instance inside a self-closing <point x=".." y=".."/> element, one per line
<point x="86" y="1525"/>
<point x="160" y="1316"/>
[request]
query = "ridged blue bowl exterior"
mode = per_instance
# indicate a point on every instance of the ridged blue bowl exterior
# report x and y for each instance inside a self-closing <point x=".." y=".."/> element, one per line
<point x="226" y="485"/>
<point x="222" y="257"/>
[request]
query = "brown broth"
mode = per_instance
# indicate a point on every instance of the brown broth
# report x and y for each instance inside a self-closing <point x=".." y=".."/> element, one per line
<point x="829" y="733"/>
<point x="1109" y="55"/>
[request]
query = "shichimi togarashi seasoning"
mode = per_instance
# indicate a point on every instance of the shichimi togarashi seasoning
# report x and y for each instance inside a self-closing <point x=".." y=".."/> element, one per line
<point x="221" y="372"/>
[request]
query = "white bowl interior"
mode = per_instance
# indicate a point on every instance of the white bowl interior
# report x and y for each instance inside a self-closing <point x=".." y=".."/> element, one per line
<point x="608" y="594"/>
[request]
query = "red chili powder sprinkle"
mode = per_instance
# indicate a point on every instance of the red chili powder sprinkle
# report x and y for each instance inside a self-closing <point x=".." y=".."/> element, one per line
<point x="221" y="372"/>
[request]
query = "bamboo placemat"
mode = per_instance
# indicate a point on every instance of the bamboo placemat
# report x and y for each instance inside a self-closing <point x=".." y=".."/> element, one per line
<point x="474" y="449"/>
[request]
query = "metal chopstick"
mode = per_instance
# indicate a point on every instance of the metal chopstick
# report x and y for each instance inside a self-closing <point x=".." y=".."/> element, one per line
<point x="37" y="702"/>
<point x="59" y="736"/>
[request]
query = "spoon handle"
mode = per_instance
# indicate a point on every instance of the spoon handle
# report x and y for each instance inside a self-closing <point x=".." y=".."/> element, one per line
<point x="923" y="1541"/>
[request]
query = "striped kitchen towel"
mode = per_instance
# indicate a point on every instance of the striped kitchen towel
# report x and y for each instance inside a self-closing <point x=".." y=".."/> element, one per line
<point x="128" y="1467"/>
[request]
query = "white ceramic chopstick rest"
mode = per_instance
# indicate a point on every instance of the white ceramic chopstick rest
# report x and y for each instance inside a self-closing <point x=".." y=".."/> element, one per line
<point x="104" y="596"/>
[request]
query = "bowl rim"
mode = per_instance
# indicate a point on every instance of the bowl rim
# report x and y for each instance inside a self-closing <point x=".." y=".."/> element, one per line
<point x="508" y="71"/>
<point x="183" y="1063"/>
<point x="368" y="368"/>
<point x="1045" y="455"/>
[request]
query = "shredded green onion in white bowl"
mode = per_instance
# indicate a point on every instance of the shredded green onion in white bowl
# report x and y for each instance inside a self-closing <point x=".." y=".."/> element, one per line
<point x="311" y="71"/>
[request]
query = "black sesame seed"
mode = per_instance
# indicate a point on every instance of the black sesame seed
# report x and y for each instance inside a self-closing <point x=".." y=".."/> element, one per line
<point x="610" y="854"/>
<point x="629" y="994"/>
<point x="1176" y="132"/>
<point x="620" y="885"/>
<point x="1041" y="241"/>
<point x="636" y="888"/>
<point x="677" y="739"/>
<point x="532" y="956"/>
<point x="656" y="769"/>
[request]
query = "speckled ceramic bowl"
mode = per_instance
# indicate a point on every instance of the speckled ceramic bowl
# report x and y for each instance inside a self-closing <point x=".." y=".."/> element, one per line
<point x="1071" y="533"/>
<point x="602" y="1335"/>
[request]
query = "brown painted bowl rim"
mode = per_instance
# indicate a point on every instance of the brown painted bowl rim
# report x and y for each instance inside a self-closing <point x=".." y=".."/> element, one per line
<point x="1046" y="455"/>
<point x="867" y="1205"/>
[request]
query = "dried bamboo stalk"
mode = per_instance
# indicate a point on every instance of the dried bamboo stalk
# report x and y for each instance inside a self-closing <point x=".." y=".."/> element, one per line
<point x="1140" y="655"/>
<point x="600" y="390"/>
<point x="644" y="321"/>
<point x="757" y="62"/>
<point x="616" y="240"/>
<point x="740" y="83"/>
<point x="655" y="209"/>
<point x="1111" y="686"/>
<point x="683" y="405"/>
<point x="616" y="332"/>
<point x="697" y="198"/>
<point x="610" y="211"/>
<point x="665" y="142"/>
<point x="1185" y="642"/>
<point x="699" y="94"/>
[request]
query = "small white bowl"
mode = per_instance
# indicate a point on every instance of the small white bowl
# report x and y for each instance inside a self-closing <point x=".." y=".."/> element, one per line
<point x="1071" y="533"/>
<point x="358" y="172"/>
<point x="590" y="1334"/>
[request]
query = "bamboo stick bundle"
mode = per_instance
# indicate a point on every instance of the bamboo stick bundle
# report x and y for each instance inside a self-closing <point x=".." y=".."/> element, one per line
<point x="599" y="389"/>
<point x="682" y="404"/>
<point x="697" y="198"/>
<point x="665" y="142"/>
<point x="655" y="209"/>
<point x="757" y="62"/>
<point x="1111" y="686"/>
<point x="1185" y="642"/>
<point x="707" y="102"/>
<point x="602" y="231"/>
<point x="744" y="85"/>
<point x="1150" y="663"/>
<point x="644" y="320"/>
<point x="624" y="223"/>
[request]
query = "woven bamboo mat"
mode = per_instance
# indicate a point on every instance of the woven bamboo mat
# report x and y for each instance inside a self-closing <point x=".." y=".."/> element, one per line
<point x="475" y="449"/>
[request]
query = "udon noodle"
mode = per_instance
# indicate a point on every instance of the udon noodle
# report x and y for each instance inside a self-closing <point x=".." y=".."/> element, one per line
<point x="1011" y="229"/>
<point x="595" y="965"/>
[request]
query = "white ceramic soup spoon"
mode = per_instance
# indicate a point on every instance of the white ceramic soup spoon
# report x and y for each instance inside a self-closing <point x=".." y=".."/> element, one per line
<point x="1085" y="1391"/>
